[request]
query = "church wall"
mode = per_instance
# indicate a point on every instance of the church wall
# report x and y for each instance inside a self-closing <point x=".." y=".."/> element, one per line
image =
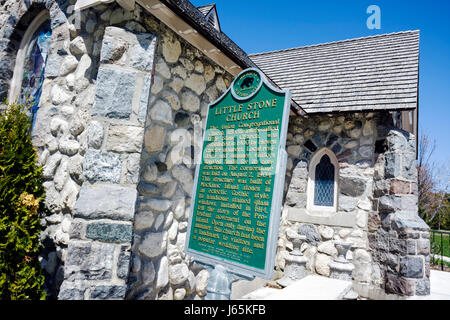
<point x="107" y="154"/>
<point x="119" y="163"/>
<point x="370" y="176"/>
<point x="185" y="82"/>
<point x="352" y="138"/>
<point x="60" y="134"/>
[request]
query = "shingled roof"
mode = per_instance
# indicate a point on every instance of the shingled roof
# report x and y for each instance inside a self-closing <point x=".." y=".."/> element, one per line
<point x="371" y="73"/>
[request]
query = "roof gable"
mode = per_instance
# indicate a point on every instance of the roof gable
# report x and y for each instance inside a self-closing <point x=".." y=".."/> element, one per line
<point x="210" y="13"/>
<point x="205" y="9"/>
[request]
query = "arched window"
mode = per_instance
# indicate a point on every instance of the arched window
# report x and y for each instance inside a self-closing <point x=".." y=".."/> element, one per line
<point x="322" y="182"/>
<point x="26" y="84"/>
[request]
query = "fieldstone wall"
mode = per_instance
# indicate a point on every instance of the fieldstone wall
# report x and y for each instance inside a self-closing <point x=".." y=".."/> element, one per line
<point x="101" y="232"/>
<point x="185" y="82"/>
<point x="59" y="133"/>
<point x="89" y="134"/>
<point x="398" y="238"/>
<point x="103" y="117"/>
<point x="121" y="115"/>
<point x="352" y="138"/>
<point x="377" y="202"/>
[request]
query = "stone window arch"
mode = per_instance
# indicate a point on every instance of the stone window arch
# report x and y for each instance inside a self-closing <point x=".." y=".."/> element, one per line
<point x="31" y="59"/>
<point x="322" y="187"/>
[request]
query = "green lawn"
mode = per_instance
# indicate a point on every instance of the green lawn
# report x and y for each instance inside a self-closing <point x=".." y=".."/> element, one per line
<point x="438" y="262"/>
<point x="436" y="243"/>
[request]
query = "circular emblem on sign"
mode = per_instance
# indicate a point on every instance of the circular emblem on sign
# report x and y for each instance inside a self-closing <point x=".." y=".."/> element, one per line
<point x="246" y="84"/>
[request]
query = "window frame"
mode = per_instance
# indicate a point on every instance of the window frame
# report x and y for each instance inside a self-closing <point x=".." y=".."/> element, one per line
<point x="16" y="81"/>
<point x="315" y="160"/>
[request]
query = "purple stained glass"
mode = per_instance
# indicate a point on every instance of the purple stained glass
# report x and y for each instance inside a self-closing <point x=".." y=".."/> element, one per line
<point x="34" y="68"/>
<point x="324" y="183"/>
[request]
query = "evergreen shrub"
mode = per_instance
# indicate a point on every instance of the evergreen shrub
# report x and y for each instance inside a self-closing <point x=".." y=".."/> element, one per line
<point x="21" y="209"/>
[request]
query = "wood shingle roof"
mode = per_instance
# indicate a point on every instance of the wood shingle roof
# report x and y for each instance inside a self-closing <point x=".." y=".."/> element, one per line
<point x="371" y="73"/>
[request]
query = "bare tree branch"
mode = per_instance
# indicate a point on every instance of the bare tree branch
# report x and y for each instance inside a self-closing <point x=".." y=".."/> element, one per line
<point x="433" y="181"/>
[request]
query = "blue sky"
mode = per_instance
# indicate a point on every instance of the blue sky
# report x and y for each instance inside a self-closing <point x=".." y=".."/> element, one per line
<point x="261" y="25"/>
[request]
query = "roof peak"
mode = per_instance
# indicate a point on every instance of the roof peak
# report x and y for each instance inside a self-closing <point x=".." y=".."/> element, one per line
<point x="206" y="5"/>
<point x="205" y="9"/>
<point x="335" y="42"/>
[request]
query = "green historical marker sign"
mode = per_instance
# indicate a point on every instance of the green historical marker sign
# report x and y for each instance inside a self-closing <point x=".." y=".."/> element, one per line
<point x="239" y="183"/>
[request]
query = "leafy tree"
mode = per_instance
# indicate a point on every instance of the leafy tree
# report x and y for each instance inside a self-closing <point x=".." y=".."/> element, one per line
<point x="21" y="209"/>
<point x="442" y="219"/>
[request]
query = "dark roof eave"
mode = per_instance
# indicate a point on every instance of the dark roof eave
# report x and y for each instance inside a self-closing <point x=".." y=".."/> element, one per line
<point x="188" y="12"/>
<point x="337" y="111"/>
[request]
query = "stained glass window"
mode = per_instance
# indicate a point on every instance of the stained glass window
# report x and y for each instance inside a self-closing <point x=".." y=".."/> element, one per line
<point x="324" y="183"/>
<point x="33" y="69"/>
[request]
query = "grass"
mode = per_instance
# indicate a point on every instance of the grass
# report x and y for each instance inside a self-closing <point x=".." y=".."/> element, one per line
<point x="438" y="262"/>
<point x="436" y="243"/>
<point x="437" y="265"/>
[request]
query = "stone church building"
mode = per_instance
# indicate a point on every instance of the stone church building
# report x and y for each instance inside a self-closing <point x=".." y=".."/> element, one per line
<point x="115" y="84"/>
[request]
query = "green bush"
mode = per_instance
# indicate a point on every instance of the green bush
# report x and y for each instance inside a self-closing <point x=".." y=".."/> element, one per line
<point x="21" y="209"/>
